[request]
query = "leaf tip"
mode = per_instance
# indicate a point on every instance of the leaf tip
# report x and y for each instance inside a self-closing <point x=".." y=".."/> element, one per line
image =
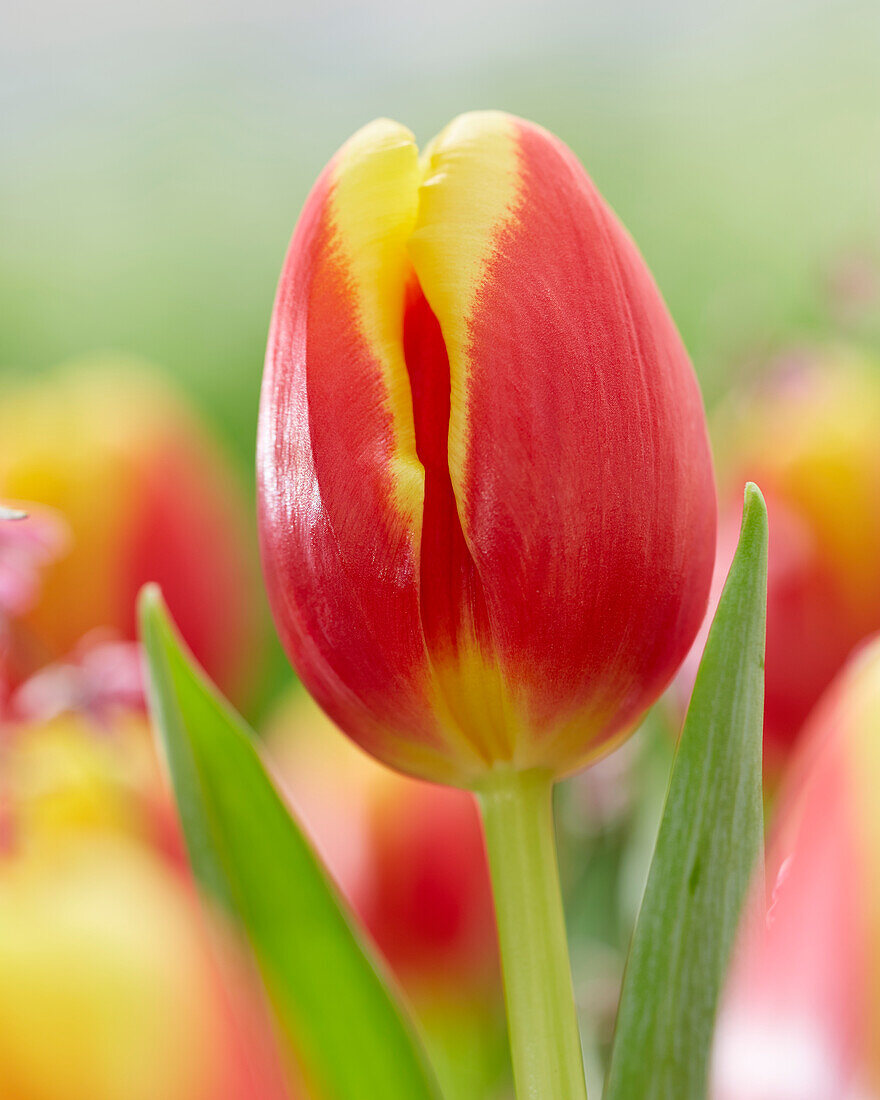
<point x="753" y="497"/>
<point x="149" y="604"/>
<point x="754" y="519"/>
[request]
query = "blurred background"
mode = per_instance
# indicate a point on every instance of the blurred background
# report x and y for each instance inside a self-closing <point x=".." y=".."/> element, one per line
<point x="155" y="157"/>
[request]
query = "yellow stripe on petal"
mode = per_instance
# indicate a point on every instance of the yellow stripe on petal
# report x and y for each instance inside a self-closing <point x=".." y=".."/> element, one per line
<point x="373" y="205"/>
<point x="468" y="194"/>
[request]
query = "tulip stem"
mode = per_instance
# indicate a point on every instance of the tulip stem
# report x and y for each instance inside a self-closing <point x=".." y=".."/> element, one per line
<point x="517" y="810"/>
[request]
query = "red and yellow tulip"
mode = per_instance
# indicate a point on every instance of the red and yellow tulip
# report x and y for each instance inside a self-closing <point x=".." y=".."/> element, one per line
<point x="486" y="499"/>
<point x="807" y="433"/>
<point x="802" y="1010"/>
<point x="146" y="496"/>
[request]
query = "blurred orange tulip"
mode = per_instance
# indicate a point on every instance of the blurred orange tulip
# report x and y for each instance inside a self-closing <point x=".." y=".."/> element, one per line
<point x="111" y="447"/>
<point x="808" y="434"/>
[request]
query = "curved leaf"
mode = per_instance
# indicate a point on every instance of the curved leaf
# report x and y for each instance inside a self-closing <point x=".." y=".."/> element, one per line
<point x="351" y="1037"/>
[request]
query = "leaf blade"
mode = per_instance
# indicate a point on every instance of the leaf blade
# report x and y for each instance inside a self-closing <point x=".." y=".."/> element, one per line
<point x="335" y="1008"/>
<point x="710" y="837"/>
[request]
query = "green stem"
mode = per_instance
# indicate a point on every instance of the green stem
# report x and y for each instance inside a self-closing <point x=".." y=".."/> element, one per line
<point x="545" y="1043"/>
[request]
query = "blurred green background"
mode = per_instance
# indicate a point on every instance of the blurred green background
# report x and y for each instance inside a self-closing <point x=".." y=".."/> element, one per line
<point x="156" y="156"/>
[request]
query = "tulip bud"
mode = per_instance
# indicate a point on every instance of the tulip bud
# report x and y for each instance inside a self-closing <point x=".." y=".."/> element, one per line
<point x="486" y="503"/>
<point x="800" y="1014"/>
<point x="146" y="496"/>
<point x="807" y="432"/>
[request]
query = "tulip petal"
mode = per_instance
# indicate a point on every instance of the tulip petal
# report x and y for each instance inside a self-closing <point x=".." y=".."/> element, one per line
<point x="468" y="693"/>
<point x="577" y="446"/>
<point x="342" y="487"/>
<point x="372" y="206"/>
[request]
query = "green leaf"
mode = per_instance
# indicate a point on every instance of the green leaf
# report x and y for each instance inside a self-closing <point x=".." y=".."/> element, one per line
<point x="709" y="843"/>
<point x="350" y="1035"/>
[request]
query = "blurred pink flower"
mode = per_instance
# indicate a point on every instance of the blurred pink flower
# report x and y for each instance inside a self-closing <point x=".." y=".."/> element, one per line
<point x="29" y="541"/>
<point x="100" y="677"/>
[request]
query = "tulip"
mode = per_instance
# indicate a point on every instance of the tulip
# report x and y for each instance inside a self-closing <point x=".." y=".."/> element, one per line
<point x="807" y="433"/>
<point x="801" y="1011"/>
<point x="146" y="496"/>
<point x="486" y="503"/>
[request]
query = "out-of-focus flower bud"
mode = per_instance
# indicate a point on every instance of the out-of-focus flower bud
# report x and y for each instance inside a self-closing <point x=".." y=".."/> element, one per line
<point x="147" y="497"/>
<point x="486" y="498"/>
<point x="408" y="855"/>
<point x="807" y="433"/>
<point x="801" y="1011"/>
<point x="112" y="984"/>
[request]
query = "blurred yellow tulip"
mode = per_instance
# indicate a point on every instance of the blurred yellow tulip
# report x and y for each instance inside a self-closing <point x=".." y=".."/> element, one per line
<point x="99" y="966"/>
<point x="114" y="983"/>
